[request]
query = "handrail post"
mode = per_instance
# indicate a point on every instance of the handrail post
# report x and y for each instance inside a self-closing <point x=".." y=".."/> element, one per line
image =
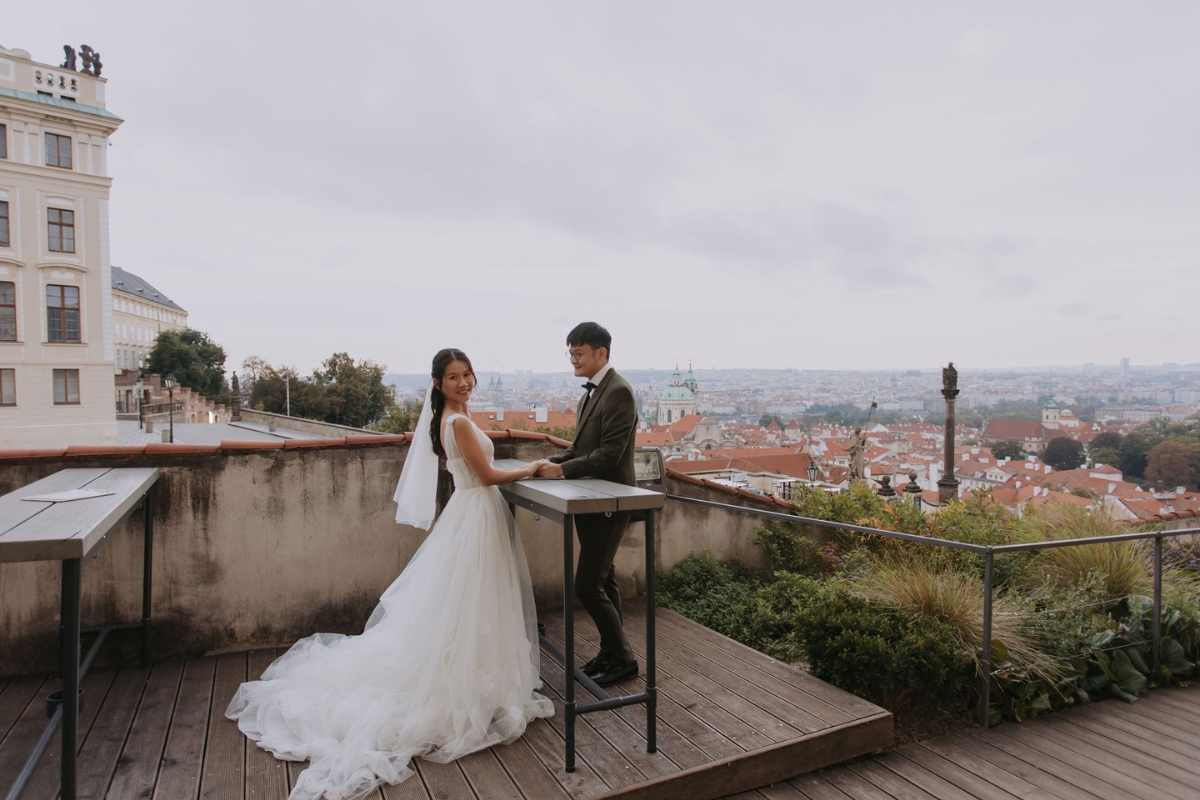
<point x="1157" y="603"/>
<point x="986" y="665"/>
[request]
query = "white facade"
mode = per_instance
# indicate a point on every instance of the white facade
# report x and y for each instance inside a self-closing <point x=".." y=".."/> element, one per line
<point x="56" y="346"/>
<point x="140" y="313"/>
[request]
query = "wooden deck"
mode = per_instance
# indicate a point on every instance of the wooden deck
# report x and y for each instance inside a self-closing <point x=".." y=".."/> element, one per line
<point x="1148" y="750"/>
<point x="730" y="720"/>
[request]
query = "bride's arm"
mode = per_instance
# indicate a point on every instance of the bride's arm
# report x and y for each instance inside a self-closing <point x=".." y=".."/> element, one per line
<point x="477" y="460"/>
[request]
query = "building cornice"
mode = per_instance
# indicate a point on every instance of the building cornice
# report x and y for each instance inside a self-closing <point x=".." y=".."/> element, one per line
<point x="73" y="110"/>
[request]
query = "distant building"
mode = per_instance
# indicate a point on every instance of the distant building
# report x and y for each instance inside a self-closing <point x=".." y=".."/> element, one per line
<point x="679" y="399"/>
<point x="140" y="313"/>
<point x="56" y="345"/>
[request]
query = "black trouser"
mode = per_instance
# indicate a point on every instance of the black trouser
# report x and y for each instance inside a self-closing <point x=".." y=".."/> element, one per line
<point x="596" y="580"/>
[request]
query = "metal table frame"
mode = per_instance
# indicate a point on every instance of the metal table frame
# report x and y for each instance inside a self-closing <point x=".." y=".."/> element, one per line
<point x="133" y="487"/>
<point x="562" y="501"/>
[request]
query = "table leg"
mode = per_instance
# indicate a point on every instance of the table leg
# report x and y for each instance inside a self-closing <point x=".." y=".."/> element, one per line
<point x="69" y="633"/>
<point x="651" y="690"/>
<point x="147" y="570"/>
<point x="569" y="636"/>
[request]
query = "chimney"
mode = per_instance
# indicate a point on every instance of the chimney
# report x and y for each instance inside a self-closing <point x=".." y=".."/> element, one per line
<point x="1047" y="468"/>
<point x="1179" y="491"/>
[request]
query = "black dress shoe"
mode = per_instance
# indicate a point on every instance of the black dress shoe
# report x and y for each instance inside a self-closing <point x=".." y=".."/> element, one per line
<point x="617" y="673"/>
<point x="597" y="666"/>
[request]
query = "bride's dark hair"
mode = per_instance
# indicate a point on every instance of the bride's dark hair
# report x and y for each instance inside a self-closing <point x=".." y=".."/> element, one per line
<point x="443" y="359"/>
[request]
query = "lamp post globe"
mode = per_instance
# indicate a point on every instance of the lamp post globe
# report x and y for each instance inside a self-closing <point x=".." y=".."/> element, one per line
<point x="138" y="388"/>
<point x="812" y="473"/>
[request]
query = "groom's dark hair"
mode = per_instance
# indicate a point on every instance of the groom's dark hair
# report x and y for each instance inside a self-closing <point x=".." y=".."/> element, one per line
<point x="593" y="334"/>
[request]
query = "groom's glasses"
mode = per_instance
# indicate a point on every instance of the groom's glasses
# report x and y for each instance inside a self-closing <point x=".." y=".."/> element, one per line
<point x="575" y="355"/>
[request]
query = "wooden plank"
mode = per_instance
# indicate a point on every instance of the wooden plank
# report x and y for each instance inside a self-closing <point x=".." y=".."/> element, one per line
<point x="15" y="698"/>
<point x="444" y="781"/>
<point x="1042" y="767"/>
<point x="1152" y="720"/>
<point x="137" y="769"/>
<point x="224" y="773"/>
<point x="687" y="740"/>
<point x="887" y="781"/>
<point x="487" y="777"/>
<point x="559" y="495"/>
<point x="183" y="756"/>
<point x="47" y="776"/>
<point x="612" y="766"/>
<point x="411" y="789"/>
<point x="965" y="780"/>
<point x="777" y="721"/>
<point x="819" y="689"/>
<point x="106" y="738"/>
<point x="987" y="770"/>
<point x="1108" y="750"/>
<point x="1082" y="757"/>
<point x="918" y="775"/>
<point x="982" y="749"/>
<point x="815" y="787"/>
<point x="698" y="702"/>
<point x="629" y="498"/>
<point x="781" y="791"/>
<point x="15" y="510"/>
<point x="854" y="785"/>
<point x="1178" y="707"/>
<point x="71" y="530"/>
<point x="1127" y="734"/>
<point x="770" y="764"/>
<point x="630" y="744"/>
<point x="548" y="746"/>
<point x="816" y="711"/>
<point x="531" y="776"/>
<point x="266" y="776"/>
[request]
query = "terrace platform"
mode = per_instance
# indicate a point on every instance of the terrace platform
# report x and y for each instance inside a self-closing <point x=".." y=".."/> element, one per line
<point x="730" y="720"/>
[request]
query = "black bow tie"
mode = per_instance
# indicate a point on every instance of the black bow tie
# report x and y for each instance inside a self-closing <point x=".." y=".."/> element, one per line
<point x="589" y="386"/>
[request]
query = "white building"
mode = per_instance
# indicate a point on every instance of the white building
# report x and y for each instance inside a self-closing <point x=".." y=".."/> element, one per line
<point x="679" y="399"/>
<point x="56" y="346"/>
<point x="140" y="313"/>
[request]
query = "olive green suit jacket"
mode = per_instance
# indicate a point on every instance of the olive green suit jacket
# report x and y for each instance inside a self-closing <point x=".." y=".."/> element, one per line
<point x="605" y="430"/>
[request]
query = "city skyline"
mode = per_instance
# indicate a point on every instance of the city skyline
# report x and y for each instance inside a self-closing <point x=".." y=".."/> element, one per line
<point x="834" y="187"/>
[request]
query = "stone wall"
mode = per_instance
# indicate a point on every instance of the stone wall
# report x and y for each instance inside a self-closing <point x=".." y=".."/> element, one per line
<point x="257" y="546"/>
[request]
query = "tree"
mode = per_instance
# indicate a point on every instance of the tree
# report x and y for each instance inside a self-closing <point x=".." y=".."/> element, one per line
<point x="1175" y="462"/>
<point x="355" y="391"/>
<point x="1133" y="450"/>
<point x="1063" y="453"/>
<point x="195" y="360"/>
<point x="1107" y="440"/>
<point x="282" y="391"/>
<point x="1008" y="449"/>
<point x="400" y="418"/>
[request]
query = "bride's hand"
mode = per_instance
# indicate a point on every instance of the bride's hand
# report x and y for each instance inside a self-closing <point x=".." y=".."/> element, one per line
<point x="532" y="468"/>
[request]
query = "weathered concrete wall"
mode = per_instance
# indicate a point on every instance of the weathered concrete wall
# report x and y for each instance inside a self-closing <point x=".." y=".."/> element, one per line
<point x="303" y="425"/>
<point x="259" y="547"/>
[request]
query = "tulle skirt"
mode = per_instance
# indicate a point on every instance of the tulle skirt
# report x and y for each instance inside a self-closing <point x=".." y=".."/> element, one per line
<point x="447" y="665"/>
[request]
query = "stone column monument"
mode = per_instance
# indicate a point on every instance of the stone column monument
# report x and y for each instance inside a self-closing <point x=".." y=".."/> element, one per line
<point x="235" y="399"/>
<point x="948" y="484"/>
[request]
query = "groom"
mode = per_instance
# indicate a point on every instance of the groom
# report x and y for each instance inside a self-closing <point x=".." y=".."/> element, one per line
<point x="605" y="428"/>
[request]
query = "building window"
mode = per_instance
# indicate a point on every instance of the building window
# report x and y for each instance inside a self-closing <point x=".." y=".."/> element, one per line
<point x="58" y="151"/>
<point x="8" y="387"/>
<point x="4" y="242"/>
<point x="62" y="229"/>
<point x="8" y="311"/>
<point x="66" y="387"/>
<point x="3" y="141"/>
<point x="62" y="313"/>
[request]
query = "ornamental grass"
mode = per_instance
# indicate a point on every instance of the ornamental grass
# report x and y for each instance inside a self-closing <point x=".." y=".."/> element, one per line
<point x="917" y="588"/>
<point x="1122" y="569"/>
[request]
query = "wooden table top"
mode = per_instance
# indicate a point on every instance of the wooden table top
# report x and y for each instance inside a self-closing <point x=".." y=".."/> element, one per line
<point x="580" y="495"/>
<point x="50" y="531"/>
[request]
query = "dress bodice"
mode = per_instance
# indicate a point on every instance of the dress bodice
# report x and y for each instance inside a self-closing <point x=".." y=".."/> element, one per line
<point x="464" y="476"/>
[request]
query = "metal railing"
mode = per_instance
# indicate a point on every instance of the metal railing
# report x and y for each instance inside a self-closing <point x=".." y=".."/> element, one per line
<point x="989" y="553"/>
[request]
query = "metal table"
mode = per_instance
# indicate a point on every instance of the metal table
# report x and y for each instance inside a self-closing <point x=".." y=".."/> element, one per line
<point x="561" y="500"/>
<point x="67" y="531"/>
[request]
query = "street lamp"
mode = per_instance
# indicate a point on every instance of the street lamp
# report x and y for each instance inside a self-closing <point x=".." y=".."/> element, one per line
<point x="812" y="472"/>
<point x="169" y="382"/>
<point x="137" y="387"/>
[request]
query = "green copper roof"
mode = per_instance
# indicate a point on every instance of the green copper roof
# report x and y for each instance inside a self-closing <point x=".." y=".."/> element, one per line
<point x="58" y="102"/>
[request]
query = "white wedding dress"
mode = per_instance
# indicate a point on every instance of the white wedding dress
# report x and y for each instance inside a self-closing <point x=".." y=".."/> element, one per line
<point x="447" y="664"/>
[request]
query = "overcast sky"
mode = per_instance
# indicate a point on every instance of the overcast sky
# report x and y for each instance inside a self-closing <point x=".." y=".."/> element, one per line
<point x="749" y="184"/>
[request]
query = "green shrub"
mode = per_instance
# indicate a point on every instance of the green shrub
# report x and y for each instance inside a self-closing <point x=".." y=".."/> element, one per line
<point x="790" y="550"/>
<point x="877" y="654"/>
<point x="718" y="595"/>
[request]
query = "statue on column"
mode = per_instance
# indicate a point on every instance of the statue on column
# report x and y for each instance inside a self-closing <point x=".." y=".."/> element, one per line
<point x="69" y="61"/>
<point x="858" y="461"/>
<point x="950" y="380"/>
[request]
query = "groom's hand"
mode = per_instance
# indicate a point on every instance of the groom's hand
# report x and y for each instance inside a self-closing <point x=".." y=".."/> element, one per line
<point x="549" y="470"/>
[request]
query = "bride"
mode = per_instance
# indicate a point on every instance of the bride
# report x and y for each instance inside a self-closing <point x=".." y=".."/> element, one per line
<point x="448" y="662"/>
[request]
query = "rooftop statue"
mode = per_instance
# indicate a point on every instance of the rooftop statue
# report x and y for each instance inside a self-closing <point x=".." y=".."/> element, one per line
<point x="950" y="378"/>
<point x="69" y="61"/>
<point x="857" y="449"/>
<point x="91" y="60"/>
